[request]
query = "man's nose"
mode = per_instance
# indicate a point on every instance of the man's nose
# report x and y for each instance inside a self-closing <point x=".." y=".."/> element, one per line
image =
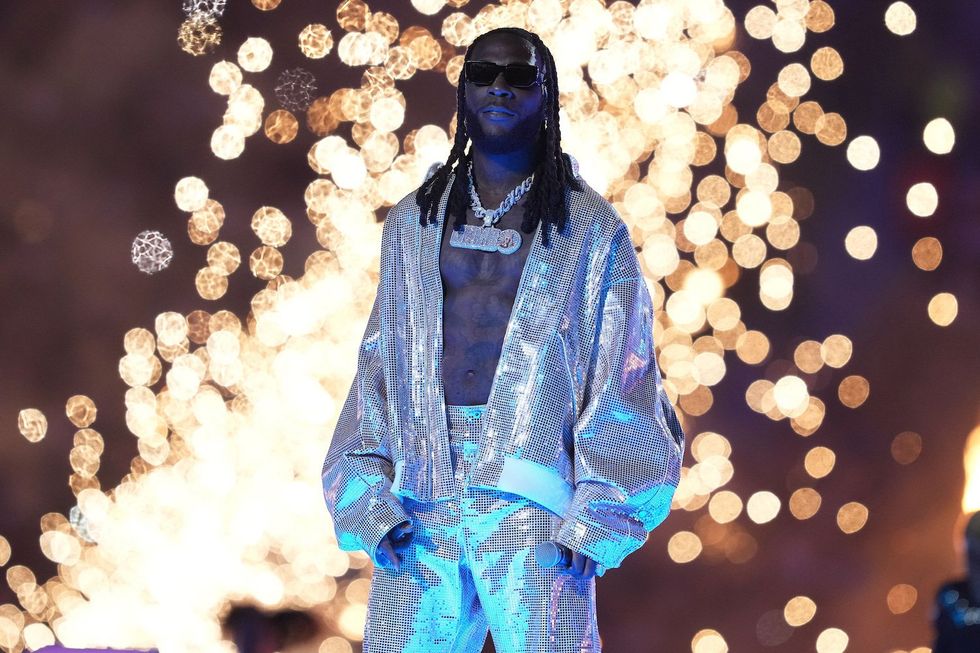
<point x="500" y="88"/>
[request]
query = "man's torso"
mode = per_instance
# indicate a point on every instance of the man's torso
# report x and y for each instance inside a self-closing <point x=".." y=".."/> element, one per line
<point x="479" y="289"/>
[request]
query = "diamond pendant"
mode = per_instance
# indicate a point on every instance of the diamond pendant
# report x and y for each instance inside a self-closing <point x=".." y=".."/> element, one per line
<point x="486" y="239"/>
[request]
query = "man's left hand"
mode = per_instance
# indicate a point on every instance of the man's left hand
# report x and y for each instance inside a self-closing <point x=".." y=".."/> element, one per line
<point x="582" y="566"/>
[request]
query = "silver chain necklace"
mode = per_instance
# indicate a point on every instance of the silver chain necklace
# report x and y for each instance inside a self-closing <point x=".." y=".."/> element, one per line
<point x="488" y="238"/>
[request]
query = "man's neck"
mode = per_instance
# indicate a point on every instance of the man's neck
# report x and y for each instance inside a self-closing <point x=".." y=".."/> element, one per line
<point x="497" y="174"/>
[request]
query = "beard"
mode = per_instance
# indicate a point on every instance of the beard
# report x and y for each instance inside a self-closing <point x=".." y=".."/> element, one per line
<point x="522" y="134"/>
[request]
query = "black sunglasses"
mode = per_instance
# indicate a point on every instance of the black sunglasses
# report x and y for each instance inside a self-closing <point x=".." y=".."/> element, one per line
<point x="518" y="75"/>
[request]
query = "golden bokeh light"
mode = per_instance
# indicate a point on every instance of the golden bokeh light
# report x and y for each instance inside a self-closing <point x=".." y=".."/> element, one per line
<point x="901" y="598"/>
<point x="830" y="129"/>
<point x="725" y="506"/>
<point x="752" y="347"/>
<point x="4" y="551"/>
<point x="794" y="80"/>
<point x="826" y="63"/>
<point x="225" y="78"/>
<point x="906" y="447"/>
<point x="820" y="16"/>
<point x="806" y="116"/>
<point x="708" y="640"/>
<point x="255" y="54"/>
<point x="762" y="507"/>
<point x="211" y="282"/>
<point x="832" y="640"/>
<point x="788" y="35"/>
<point x="852" y="517"/>
<point x="429" y="7"/>
<point x="812" y="417"/>
<point x="922" y="199"/>
<point x="335" y="645"/>
<point x="80" y="410"/>
<point x="784" y="146"/>
<point x="861" y="242"/>
<point x="819" y="461"/>
<point x="799" y="611"/>
<point x="228" y="142"/>
<point x="37" y="636"/>
<point x="265" y="262"/>
<point x="791" y="395"/>
<point x="853" y="390"/>
<point x="191" y="194"/>
<point x="684" y="546"/>
<point x="927" y="253"/>
<point x="272" y="226"/>
<point x="804" y="503"/>
<point x="939" y="136"/>
<point x="836" y="350"/>
<point x="807" y="357"/>
<point x="199" y="34"/>
<point x="281" y="126"/>
<point x="943" y="308"/>
<point x="224" y="258"/>
<point x="760" y="21"/>
<point x="315" y="41"/>
<point x="863" y="153"/>
<point x="971" y="466"/>
<point x="32" y="424"/>
<point x="266" y="5"/>
<point x="900" y="18"/>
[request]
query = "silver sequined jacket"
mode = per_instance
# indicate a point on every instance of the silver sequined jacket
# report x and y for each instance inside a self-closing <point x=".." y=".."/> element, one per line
<point x="577" y="419"/>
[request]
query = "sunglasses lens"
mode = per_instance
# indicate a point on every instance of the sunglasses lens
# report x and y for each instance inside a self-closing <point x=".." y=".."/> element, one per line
<point x="521" y="75"/>
<point x="481" y="73"/>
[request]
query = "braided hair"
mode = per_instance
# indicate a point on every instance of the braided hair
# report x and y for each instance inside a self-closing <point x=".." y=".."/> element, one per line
<point x="546" y="199"/>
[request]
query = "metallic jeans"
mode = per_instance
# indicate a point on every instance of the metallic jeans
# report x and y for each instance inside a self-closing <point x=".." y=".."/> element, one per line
<point x="470" y="565"/>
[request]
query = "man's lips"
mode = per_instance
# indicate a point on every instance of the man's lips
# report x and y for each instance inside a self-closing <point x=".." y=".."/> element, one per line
<point x="494" y="109"/>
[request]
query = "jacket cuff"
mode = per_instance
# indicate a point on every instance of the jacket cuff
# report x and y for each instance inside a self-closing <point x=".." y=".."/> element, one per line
<point x="383" y="512"/>
<point x="598" y="527"/>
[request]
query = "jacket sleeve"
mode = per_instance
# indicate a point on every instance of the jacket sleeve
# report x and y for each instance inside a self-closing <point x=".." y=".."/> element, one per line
<point x="628" y="441"/>
<point x="357" y="473"/>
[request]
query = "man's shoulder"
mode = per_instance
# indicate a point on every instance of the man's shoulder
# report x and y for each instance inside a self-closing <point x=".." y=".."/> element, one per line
<point x="404" y="212"/>
<point x="406" y="205"/>
<point x="589" y="208"/>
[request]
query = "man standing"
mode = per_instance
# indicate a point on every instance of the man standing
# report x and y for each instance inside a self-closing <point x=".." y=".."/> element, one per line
<point x="507" y="391"/>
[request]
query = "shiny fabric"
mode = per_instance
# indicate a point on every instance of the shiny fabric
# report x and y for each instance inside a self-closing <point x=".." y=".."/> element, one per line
<point x="470" y="564"/>
<point x="577" y="419"/>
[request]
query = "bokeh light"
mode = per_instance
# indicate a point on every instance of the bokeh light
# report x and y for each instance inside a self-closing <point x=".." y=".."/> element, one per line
<point x="939" y="136"/>
<point x="922" y="199"/>
<point x="900" y="18"/>
<point x="852" y="517"/>
<point x="799" y="611"/>
<point x="863" y="153"/>
<point x="943" y="308"/>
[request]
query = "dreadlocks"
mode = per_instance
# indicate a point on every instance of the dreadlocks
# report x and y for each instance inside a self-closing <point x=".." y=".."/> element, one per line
<point x="546" y="199"/>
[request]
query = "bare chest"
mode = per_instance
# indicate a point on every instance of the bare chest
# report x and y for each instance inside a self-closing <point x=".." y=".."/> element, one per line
<point x="467" y="272"/>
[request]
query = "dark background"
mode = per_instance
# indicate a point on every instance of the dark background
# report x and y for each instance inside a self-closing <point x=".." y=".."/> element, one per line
<point x="102" y="114"/>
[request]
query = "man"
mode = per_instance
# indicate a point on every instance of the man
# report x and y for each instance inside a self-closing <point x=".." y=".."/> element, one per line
<point x="956" y="614"/>
<point x="507" y="391"/>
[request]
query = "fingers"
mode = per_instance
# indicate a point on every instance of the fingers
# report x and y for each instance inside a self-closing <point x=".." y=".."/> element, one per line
<point x="582" y="566"/>
<point x="386" y="550"/>
<point x="402" y="532"/>
<point x="589" y="570"/>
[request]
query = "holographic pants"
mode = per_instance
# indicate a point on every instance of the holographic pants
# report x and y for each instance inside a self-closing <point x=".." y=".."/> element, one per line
<point x="470" y="565"/>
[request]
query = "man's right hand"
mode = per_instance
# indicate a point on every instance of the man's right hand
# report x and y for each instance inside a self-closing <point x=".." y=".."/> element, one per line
<point x="396" y="538"/>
